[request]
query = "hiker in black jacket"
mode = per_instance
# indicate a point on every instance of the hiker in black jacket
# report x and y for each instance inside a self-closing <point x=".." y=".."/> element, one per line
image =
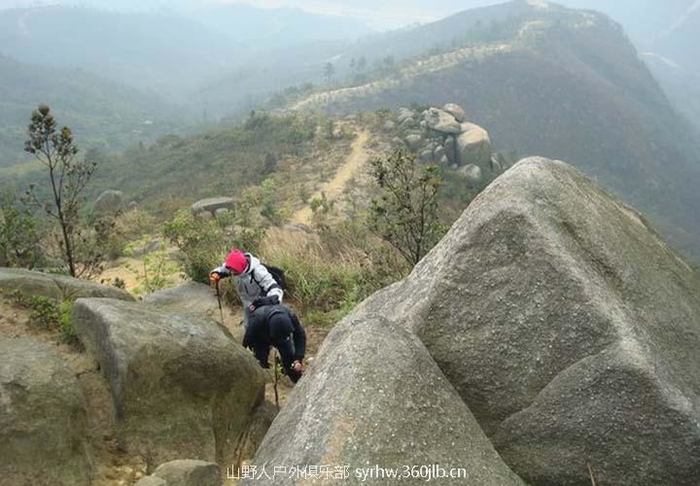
<point x="278" y="326"/>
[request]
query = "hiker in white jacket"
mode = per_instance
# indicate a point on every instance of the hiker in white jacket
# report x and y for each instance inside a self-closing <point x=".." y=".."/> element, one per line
<point x="254" y="284"/>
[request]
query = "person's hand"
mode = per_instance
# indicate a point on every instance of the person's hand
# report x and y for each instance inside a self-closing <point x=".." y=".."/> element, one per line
<point x="214" y="277"/>
<point x="297" y="366"/>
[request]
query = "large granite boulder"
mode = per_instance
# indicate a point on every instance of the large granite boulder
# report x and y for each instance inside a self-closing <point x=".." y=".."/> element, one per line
<point x="441" y="121"/>
<point x="210" y="205"/>
<point x="181" y="387"/>
<point x="193" y="297"/>
<point x="569" y="328"/>
<point x="474" y="146"/>
<point x="57" y="287"/>
<point x="375" y="398"/>
<point x="42" y="418"/>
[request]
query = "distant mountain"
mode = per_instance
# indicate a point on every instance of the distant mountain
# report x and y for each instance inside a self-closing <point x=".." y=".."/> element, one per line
<point x="667" y="33"/>
<point x="680" y="42"/>
<point x="644" y="20"/>
<point x="261" y="29"/>
<point x="550" y="81"/>
<point x="174" y="54"/>
<point x="165" y="53"/>
<point x="100" y="112"/>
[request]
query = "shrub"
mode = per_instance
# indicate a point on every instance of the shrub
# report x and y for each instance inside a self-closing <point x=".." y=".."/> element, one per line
<point x="203" y="243"/>
<point x="49" y="314"/>
<point x="19" y="238"/>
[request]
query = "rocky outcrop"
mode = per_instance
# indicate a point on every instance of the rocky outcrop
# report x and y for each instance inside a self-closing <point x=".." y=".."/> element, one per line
<point x="109" y="203"/>
<point x="189" y="472"/>
<point x="210" y="205"/>
<point x="474" y="147"/>
<point x="455" y="110"/>
<point x="374" y="397"/>
<point x="567" y="326"/>
<point x="180" y="386"/>
<point x="446" y="139"/>
<point x="441" y="121"/>
<point x="42" y="418"/>
<point x="57" y="287"/>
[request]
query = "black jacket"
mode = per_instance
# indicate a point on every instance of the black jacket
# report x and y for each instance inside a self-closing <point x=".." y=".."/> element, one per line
<point x="278" y="326"/>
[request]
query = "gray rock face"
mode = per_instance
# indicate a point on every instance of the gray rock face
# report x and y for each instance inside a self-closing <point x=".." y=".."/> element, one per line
<point x="55" y="286"/>
<point x="404" y="114"/>
<point x="454" y="110"/>
<point x="442" y="122"/>
<point x="191" y="297"/>
<point x="210" y="205"/>
<point x="189" y="472"/>
<point x="42" y="418"/>
<point x="389" y="126"/>
<point x="473" y="174"/>
<point x="569" y="328"/>
<point x="374" y="397"/>
<point x="180" y="386"/>
<point x="474" y="146"/>
<point x="109" y="202"/>
<point x="426" y="156"/>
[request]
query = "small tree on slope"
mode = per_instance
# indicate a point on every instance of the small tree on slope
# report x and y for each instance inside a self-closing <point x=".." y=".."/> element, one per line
<point x="406" y="213"/>
<point x="68" y="177"/>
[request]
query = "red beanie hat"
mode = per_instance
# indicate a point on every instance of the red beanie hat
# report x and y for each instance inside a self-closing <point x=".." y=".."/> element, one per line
<point x="236" y="261"/>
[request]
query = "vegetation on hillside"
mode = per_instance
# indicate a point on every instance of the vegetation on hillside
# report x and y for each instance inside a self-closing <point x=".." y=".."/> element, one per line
<point x="567" y="84"/>
<point x="102" y="114"/>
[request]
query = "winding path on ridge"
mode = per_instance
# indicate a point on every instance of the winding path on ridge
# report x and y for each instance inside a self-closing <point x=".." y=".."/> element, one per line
<point x="334" y="188"/>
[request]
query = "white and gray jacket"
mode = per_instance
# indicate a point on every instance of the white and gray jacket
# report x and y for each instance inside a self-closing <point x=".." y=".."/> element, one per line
<point x="256" y="281"/>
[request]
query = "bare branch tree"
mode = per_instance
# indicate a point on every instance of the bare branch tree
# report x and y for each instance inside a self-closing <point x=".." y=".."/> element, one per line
<point x="68" y="177"/>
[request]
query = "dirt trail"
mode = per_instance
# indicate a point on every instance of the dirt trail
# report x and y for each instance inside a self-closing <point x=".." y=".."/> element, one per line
<point x="334" y="188"/>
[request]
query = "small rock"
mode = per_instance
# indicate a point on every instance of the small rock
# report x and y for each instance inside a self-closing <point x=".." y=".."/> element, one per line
<point x="414" y="141"/>
<point x="189" y="472"/>
<point x="210" y="205"/>
<point x="473" y="174"/>
<point x="151" y="481"/>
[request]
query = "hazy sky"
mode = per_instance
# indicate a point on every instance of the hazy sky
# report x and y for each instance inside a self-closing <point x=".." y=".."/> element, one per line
<point x="378" y="14"/>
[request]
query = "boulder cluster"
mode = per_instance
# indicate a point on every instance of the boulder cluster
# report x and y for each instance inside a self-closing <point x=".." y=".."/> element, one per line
<point x="185" y="395"/>
<point x="550" y="338"/>
<point x="444" y="136"/>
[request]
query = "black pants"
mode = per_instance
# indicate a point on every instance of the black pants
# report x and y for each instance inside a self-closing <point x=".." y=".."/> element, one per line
<point x="286" y="350"/>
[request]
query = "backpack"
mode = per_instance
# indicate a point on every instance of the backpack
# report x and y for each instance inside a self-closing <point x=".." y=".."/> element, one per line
<point x="278" y="274"/>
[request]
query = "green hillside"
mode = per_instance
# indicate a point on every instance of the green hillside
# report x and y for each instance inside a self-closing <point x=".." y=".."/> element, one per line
<point x="101" y="113"/>
<point x="556" y="82"/>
